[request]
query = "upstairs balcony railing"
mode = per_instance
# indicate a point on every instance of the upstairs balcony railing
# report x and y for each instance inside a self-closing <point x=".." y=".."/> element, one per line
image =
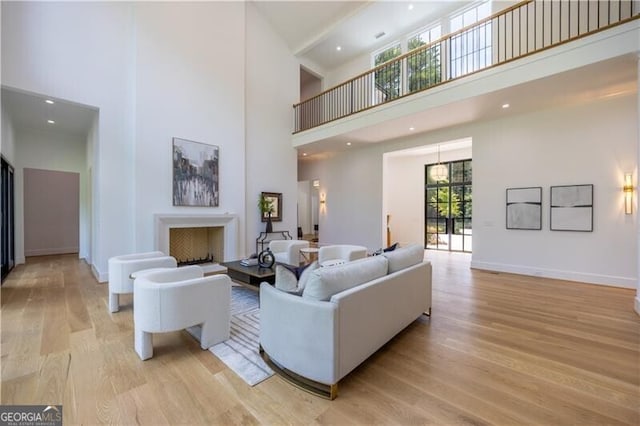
<point x="521" y="30"/>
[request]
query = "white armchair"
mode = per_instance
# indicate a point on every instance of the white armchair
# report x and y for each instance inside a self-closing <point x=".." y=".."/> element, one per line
<point x="343" y="252"/>
<point x="175" y="299"/>
<point x="288" y="251"/>
<point x="121" y="268"/>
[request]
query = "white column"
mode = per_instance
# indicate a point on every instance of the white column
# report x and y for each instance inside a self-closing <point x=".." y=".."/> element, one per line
<point x="637" y="300"/>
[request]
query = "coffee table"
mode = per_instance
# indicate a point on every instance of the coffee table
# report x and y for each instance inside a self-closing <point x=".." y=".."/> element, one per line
<point x="252" y="275"/>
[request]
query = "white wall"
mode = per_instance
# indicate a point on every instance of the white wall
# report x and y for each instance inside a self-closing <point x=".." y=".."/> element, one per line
<point x="637" y="191"/>
<point x="403" y="196"/>
<point x="352" y="185"/>
<point x="83" y="52"/>
<point x="272" y="87"/>
<point x="591" y="143"/>
<point x="588" y="144"/>
<point x="304" y="206"/>
<point x="92" y="188"/>
<point x="36" y="149"/>
<point x="347" y="71"/>
<point x="7" y="144"/>
<point x="189" y="84"/>
<point x="212" y="72"/>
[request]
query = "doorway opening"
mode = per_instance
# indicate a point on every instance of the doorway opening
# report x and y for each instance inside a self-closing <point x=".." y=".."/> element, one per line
<point x="55" y="145"/>
<point x="310" y="84"/>
<point x="448" y="207"/>
<point x="406" y="214"/>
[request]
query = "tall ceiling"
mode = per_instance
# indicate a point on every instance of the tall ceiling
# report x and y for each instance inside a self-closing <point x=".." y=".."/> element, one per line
<point x="314" y="29"/>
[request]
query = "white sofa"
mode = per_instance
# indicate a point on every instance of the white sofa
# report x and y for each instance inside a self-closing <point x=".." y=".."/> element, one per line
<point x="345" y="314"/>
<point x="288" y="251"/>
<point x="174" y="299"/>
<point x="340" y="252"/>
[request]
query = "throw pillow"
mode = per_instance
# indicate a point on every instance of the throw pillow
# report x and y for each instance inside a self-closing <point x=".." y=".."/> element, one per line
<point x="306" y="274"/>
<point x="293" y="279"/>
<point x="286" y="280"/>
<point x="392" y="247"/>
<point x="297" y="270"/>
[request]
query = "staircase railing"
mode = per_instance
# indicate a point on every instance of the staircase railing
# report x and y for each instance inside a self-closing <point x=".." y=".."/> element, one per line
<point x="521" y="30"/>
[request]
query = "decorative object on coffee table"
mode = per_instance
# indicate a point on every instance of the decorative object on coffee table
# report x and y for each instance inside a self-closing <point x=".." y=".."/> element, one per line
<point x="266" y="259"/>
<point x="195" y="174"/>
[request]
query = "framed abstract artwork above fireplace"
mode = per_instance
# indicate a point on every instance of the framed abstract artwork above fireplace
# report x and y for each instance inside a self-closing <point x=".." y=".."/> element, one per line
<point x="195" y="174"/>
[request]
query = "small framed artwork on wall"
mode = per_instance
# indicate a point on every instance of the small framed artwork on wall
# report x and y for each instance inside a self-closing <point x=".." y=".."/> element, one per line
<point x="195" y="174"/>
<point x="275" y="200"/>
<point x="572" y="208"/>
<point x="524" y="208"/>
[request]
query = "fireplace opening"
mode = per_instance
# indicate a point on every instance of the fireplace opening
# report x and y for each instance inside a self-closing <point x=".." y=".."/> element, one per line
<point x="197" y="245"/>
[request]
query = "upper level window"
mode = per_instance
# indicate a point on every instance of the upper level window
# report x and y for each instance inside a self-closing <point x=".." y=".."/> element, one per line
<point x="387" y="78"/>
<point x="424" y="37"/>
<point x="387" y="54"/>
<point x="470" y="17"/>
<point x="470" y="49"/>
<point x="423" y="67"/>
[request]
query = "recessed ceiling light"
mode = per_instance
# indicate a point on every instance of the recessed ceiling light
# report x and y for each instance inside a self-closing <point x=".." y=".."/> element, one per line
<point x="49" y="101"/>
<point x="410" y="7"/>
<point x="348" y="143"/>
<point x="338" y="48"/>
<point x="51" y="122"/>
<point x="304" y="154"/>
<point x="505" y="106"/>
<point x="411" y="129"/>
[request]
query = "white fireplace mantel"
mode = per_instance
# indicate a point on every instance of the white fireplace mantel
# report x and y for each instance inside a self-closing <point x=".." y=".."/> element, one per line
<point x="164" y="222"/>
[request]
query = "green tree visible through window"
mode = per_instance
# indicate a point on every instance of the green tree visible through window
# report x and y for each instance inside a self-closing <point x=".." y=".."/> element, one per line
<point x="423" y="67"/>
<point x="387" y="78"/>
<point x="444" y="206"/>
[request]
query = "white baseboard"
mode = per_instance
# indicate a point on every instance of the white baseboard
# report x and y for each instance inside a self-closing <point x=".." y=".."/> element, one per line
<point x="49" y="251"/>
<point x="607" y="280"/>
<point x="102" y="277"/>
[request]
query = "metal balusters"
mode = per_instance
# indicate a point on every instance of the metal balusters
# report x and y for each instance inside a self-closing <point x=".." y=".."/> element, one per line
<point x="463" y="52"/>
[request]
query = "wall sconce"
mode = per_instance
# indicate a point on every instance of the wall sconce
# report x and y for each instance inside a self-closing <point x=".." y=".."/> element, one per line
<point x="323" y="198"/>
<point x="628" y="193"/>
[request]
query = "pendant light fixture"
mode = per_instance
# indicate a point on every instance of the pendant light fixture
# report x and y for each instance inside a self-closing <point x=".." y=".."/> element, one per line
<point x="439" y="172"/>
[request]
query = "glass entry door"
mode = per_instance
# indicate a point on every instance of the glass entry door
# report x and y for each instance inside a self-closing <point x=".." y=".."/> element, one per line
<point x="448" y="208"/>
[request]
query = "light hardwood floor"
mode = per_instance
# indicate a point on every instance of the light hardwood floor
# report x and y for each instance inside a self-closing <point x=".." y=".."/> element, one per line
<point x="499" y="349"/>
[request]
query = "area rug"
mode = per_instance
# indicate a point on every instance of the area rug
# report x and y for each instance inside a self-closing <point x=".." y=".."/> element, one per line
<point x="240" y="352"/>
